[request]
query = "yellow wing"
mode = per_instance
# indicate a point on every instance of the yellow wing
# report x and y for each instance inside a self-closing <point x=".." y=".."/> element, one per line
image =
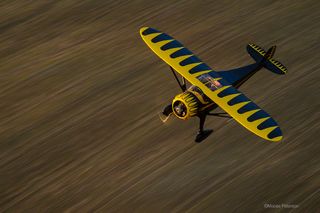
<point x="237" y="105"/>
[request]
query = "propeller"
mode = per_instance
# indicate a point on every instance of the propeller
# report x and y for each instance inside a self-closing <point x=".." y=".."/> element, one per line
<point x="166" y="113"/>
<point x="164" y="118"/>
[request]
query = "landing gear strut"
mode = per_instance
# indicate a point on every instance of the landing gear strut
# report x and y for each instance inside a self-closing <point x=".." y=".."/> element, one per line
<point x="202" y="134"/>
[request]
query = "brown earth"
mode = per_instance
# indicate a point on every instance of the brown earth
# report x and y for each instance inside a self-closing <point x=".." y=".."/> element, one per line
<point x="80" y="93"/>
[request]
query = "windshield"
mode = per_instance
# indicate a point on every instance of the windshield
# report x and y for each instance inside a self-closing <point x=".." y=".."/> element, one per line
<point x="210" y="82"/>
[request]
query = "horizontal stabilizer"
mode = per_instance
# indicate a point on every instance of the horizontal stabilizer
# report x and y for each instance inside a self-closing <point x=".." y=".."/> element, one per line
<point x="259" y="55"/>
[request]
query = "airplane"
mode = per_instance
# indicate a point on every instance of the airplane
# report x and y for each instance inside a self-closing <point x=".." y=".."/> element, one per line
<point x="212" y="89"/>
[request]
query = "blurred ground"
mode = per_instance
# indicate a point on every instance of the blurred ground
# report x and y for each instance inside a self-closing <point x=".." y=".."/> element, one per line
<point x="80" y="93"/>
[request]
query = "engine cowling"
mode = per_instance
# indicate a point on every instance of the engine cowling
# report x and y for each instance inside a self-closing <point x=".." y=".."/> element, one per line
<point x="185" y="105"/>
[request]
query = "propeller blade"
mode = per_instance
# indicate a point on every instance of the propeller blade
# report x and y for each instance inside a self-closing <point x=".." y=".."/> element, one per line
<point x="164" y="118"/>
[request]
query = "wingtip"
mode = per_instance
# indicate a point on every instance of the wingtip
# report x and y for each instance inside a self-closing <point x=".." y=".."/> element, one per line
<point x="277" y="139"/>
<point x="143" y="29"/>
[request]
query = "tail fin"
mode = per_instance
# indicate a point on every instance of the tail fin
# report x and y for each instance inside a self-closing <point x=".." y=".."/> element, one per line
<point x="265" y="58"/>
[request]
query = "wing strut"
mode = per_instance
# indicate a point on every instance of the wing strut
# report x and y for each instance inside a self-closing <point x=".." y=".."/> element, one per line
<point x="220" y="114"/>
<point x="183" y="86"/>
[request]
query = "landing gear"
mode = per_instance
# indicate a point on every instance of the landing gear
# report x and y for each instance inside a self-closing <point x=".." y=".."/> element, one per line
<point x="202" y="134"/>
<point x="167" y="110"/>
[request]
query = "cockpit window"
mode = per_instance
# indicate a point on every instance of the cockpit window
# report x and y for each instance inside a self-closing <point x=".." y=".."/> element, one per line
<point x="210" y="82"/>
